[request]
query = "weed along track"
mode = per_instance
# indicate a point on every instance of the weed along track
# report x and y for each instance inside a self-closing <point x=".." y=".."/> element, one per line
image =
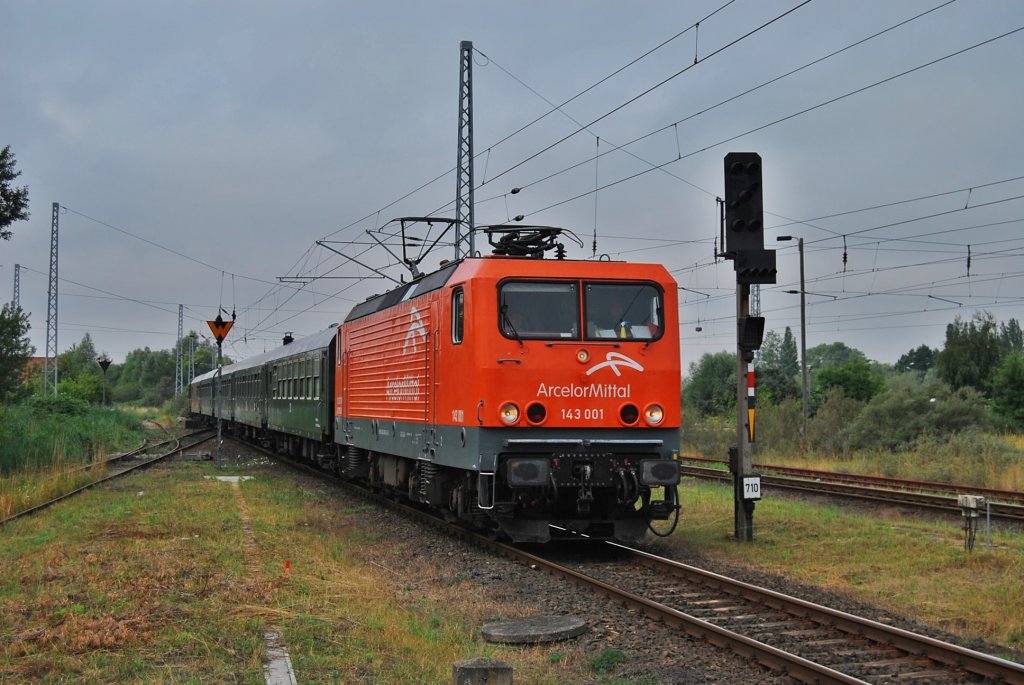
<point x="120" y="466"/>
<point x="885" y="491"/>
<point x="1008" y="496"/>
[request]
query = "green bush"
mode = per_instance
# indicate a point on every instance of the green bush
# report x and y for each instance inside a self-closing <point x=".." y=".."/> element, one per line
<point x="710" y="385"/>
<point x="125" y="392"/>
<point x="904" y="415"/>
<point x="176" y="406"/>
<point x="967" y="458"/>
<point x="607" y="660"/>
<point x="88" y="388"/>
<point x="777" y="429"/>
<point x="67" y="405"/>
<point x="45" y="430"/>
<point x="1007" y="399"/>
<point x="828" y="431"/>
<point x="709" y="436"/>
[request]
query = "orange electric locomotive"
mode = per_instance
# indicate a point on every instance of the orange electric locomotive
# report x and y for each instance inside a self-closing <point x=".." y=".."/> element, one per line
<point x="517" y="393"/>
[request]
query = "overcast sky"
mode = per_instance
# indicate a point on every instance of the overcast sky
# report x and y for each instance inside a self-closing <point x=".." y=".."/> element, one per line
<point x="200" y="149"/>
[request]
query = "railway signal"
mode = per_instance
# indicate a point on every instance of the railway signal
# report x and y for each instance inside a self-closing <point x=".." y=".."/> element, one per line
<point x="104" y="363"/>
<point x="744" y="207"/>
<point x="744" y="219"/>
<point x="219" y="327"/>
<point x="743" y="242"/>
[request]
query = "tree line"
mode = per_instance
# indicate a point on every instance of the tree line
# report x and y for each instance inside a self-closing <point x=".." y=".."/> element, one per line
<point x="146" y="377"/>
<point x="971" y="383"/>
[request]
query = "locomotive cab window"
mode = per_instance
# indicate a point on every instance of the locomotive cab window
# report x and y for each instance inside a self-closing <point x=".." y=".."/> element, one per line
<point x="458" y="315"/>
<point x="541" y="310"/>
<point x="622" y="310"/>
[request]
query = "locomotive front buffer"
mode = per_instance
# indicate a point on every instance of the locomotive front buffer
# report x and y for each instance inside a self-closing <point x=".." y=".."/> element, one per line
<point x="603" y="488"/>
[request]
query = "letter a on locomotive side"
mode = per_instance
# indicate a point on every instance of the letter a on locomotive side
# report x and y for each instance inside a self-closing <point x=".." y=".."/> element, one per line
<point x="517" y="393"/>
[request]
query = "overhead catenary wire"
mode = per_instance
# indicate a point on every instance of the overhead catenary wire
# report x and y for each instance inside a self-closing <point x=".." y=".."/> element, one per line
<point x="775" y="122"/>
<point x="845" y="48"/>
<point x="674" y="125"/>
<point x="613" y="74"/>
<point x="650" y="90"/>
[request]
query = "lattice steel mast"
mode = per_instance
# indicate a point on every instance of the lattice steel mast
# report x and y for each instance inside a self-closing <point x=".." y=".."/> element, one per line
<point x="16" y="300"/>
<point x="50" y="360"/>
<point x="464" y="242"/>
<point x="179" y="367"/>
<point x="191" y="356"/>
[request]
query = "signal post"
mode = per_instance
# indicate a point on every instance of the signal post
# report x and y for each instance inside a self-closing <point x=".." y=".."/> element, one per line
<point x="219" y="327"/>
<point x="743" y="242"/>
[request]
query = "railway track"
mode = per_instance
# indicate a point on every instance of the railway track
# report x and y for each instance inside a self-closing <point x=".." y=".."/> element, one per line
<point x="1007" y="496"/>
<point x="900" y="497"/>
<point x="119" y="466"/>
<point x="808" y="642"/>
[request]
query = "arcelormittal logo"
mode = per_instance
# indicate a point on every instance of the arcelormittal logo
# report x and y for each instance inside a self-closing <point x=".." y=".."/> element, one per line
<point x="613" y="360"/>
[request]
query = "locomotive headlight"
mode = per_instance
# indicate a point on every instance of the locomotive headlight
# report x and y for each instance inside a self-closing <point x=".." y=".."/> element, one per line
<point x="659" y="472"/>
<point x="654" y="414"/>
<point x="582" y="356"/>
<point x="509" y="413"/>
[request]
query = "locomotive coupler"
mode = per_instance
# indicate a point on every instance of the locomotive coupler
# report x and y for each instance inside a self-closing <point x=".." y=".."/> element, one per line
<point x="663" y="508"/>
<point x="586" y="495"/>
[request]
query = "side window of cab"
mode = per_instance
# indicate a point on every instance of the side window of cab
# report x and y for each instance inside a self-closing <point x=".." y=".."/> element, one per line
<point x="458" y="315"/>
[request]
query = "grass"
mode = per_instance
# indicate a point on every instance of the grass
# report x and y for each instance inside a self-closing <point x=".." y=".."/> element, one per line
<point x="914" y="567"/>
<point x="979" y="460"/>
<point x="36" y="437"/>
<point x="43" y="446"/>
<point x="149" y="580"/>
<point x="966" y="458"/>
<point x="994" y="463"/>
<point x="30" y="488"/>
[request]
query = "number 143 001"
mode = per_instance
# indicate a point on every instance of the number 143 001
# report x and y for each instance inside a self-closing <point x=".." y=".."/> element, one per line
<point x="579" y="413"/>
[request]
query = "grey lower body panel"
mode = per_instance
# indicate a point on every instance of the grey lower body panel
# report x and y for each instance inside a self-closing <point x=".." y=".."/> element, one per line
<point x="474" y="448"/>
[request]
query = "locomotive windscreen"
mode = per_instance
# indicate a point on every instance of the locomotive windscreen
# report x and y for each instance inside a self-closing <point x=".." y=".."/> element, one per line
<point x="539" y="310"/>
<point x="622" y="310"/>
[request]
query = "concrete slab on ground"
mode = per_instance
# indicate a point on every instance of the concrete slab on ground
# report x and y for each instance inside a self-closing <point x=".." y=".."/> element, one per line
<point x="534" y="629"/>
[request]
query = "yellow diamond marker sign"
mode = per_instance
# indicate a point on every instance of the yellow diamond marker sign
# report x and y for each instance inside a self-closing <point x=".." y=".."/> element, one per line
<point x="220" y="328"/>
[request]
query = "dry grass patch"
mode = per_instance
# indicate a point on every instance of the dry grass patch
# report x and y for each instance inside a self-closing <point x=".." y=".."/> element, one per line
<point x="363" y="603"/>
<point x="149" y="580"/>
<point x="981" y="460"/>
<point x="34" y="487"/>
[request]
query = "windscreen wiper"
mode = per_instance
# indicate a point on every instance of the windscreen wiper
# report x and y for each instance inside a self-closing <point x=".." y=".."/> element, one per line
<point x="508" y="321"/>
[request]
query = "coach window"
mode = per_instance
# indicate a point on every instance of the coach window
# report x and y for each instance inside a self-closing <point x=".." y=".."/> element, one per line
<point x="542" y="310"/>
<point x="458" y="315"/>
<point x="622" y="310"/>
